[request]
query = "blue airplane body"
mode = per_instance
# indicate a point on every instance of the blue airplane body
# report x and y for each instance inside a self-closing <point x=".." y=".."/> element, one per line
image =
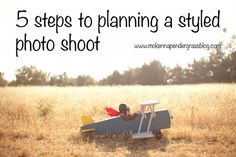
<point x="116" y="125"/>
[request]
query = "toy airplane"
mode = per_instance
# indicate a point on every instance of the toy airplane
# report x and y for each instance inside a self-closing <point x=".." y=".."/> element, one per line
<point x="146" y="125"/>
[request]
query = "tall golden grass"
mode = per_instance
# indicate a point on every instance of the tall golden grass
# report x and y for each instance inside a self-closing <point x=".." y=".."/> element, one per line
<point x="45" y="121"/>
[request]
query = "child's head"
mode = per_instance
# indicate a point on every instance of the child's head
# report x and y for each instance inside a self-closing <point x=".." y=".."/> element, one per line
<point x="124" y="108"/>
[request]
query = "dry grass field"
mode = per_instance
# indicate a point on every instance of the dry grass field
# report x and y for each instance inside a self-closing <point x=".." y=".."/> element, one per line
<point x="45" y="121"/>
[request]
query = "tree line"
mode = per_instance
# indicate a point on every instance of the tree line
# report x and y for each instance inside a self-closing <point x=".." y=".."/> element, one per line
<point x="31" y="76"/>
<point x="218" y="67"/>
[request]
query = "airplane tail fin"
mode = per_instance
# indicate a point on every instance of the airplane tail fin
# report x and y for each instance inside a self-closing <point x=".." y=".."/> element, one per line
<point x="86" y="120"/>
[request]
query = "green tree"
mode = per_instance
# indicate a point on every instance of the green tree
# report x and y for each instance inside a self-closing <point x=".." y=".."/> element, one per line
<point x="219" y="66"/>
<point x="233" y="67"/>
<point x="153" y="74"/>
<point x="130" y="77"/>
<point x="61" y="80"/>
<point x="177" y="75"/>
<point x="199" y="72"/>
<point x="85" y="80"/>
<point x="3" y="82"/>
<point x="30" y="76"/>
<point x="115" y="78"/>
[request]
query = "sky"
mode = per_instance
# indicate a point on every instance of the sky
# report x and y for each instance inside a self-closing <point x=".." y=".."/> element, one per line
<point x="116" y="47"/>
